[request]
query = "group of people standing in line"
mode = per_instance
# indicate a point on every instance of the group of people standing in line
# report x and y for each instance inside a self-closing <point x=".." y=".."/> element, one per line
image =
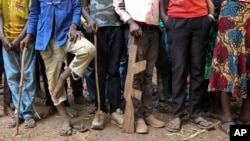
<point x="192" y="30"/>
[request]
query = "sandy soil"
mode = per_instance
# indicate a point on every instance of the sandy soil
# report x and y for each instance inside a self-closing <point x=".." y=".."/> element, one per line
<point x="47" y="129"/>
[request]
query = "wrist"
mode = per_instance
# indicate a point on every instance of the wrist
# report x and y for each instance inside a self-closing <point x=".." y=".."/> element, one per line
<point x="211" y="16"/>
<point x="73" y="26"/>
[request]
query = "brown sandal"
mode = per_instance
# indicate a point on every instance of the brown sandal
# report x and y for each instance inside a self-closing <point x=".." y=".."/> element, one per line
<point x="174" y="125"/>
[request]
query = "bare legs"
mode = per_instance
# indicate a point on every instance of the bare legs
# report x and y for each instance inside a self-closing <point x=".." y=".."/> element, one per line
<point x="61" y="81"/>
<point x="66" y="126"/>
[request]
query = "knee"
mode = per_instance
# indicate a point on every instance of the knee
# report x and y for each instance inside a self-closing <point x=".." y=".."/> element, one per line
<point x="92" y="53"/>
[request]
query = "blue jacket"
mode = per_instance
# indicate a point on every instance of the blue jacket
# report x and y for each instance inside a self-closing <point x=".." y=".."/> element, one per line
<point x="47" y="16"/>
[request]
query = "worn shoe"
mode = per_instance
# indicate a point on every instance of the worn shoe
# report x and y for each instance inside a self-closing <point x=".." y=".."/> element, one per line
<point x="99" y="120"/>
<point x="117" y="118"/>
<point x="152" y="121"/>
<point x="141" y="127"/>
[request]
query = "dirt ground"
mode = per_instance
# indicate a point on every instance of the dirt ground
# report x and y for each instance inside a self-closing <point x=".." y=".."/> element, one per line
<point x="47" y="129"/>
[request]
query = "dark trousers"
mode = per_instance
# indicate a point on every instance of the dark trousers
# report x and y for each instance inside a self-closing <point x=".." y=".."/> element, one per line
<point x="188" y="41"/>
<point x="147" y="49"/>
<point x="76" y="85"/>
<point x="110" y="42"/>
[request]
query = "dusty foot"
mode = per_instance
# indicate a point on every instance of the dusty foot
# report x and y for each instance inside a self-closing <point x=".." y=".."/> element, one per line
<point x="8" y="111"/>
<point x="52" y="110"/>
<point x="40" y="93"/>
<point x="71" y="112"/>
<point x="174" y="125"/>
<point x="66" y="129"/>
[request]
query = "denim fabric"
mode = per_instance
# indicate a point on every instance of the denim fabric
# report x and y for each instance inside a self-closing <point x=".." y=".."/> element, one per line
<point x="164" y="73"/>
<point x="12" y="65"/>
<point x="124" y="61"/>
<point x="89" y="76"/>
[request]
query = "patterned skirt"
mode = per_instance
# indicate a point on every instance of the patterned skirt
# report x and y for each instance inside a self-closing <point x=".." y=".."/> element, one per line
<point x="230" y="69"/>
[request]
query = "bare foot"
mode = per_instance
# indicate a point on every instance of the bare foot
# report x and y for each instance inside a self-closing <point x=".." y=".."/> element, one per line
<point x="8" y="111"/>
<point x="66" y="129"/>
<point x="52" y="110"/>
<point x="40" y="93"/>
<point x="71" y="112"/>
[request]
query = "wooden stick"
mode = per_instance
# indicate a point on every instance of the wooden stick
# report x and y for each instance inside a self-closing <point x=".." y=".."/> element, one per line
<point x="97" y="80"/>
<point x="195" y="134"/>
<point x="20" y="90"/>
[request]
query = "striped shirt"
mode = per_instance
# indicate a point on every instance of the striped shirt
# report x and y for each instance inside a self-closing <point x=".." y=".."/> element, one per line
<point x="15" y="16"/>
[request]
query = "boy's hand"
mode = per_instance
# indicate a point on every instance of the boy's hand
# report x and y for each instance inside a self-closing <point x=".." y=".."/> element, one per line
<point x="74" y="34"/>
<point x="91" y="27"/>
<point x="16" y="43"/>
<point x="165" y="19"/>
<point x="6" y="44"/>
<point x="25" y="43"/>
<point x="134" y="28"/>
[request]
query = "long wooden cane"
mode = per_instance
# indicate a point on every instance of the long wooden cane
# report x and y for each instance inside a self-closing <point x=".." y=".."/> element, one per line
<point x="97" y="81"/>
<point x="20" y="89"/>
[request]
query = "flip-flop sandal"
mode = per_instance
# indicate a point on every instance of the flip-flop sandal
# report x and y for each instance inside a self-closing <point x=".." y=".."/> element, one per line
<point x="198" y="122"/>
<point x="80" y="128"/>
<point x="173" y="123"/>
<point x="224" y="122"/>
<point x="65" y="132"/>
<point x="30" y="123"/>
<point x="13" y="123"/>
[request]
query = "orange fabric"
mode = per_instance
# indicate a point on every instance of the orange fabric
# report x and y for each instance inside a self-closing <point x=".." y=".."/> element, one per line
<point x="187" y="8"/>
<point x="245" y="0"/>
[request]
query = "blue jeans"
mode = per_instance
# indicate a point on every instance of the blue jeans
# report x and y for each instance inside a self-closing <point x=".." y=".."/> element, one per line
<point x="124" y="61"/>
<point x="12" y="65"/>
<point x="164" y="73"/>
<point x="89" y="76"/>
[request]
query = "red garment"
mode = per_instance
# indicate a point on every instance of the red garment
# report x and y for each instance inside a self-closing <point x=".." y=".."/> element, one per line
<point x="187" y="8"/>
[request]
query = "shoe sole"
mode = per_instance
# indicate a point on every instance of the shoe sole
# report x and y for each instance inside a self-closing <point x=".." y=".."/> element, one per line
<point x="97" y="127"/>
<point x="141" y="132"/>
<point x="154" y="125"/>
<point x="115" y="123"/>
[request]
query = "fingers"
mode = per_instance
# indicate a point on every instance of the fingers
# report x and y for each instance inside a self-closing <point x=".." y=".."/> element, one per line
<point x="23" y="45"/>
<point x="76" y="36"/>
<point x="137" y="33"/>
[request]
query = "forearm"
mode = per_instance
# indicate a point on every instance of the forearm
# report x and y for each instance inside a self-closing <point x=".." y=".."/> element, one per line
<point x="1" y="25"/>
<point x="120" y="10"/>
<point x="85" y="11"/>
<point x="211" y="7"/>
<point x="163" y="10"/>
<point x="23" y="33"/>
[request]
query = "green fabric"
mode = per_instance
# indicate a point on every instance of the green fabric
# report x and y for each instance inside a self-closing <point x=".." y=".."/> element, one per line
<point x="161" y="25"/>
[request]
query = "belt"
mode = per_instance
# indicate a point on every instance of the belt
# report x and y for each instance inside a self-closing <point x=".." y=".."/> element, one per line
<point x="149" y="28"/>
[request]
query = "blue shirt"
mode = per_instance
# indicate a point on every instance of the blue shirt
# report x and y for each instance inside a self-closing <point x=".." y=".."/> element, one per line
<point x="47" y="16"/>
